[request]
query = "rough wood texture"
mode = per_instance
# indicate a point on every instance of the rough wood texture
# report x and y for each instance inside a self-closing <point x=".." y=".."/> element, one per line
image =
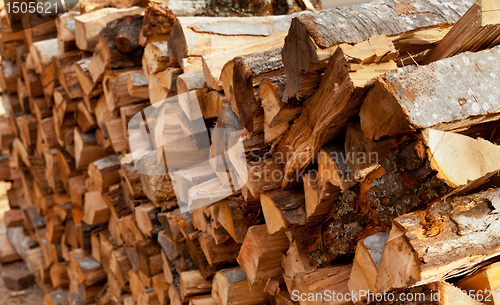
<point x="464" y="225"/>
<point x="313" y="36"/>
<point x="404" y="92"/>
<point x="315" y="127"/>
<point x="478" y="29"/>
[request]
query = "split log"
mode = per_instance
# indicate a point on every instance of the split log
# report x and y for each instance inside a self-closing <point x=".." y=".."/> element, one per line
<point x="215" y="61"/>
<point x="230" y="286"/>
<point x="137" y="85"/>
<point x="476" y="30"/>
<point x="8" y="76"/>
<point x="366" y="262"/>
<point x="107" y="56"/>
<point x="189" y="35"/>
<point x="88" y="26"/>
<point x="192" y="283"/>
<point x="314" y="36"/>
<point x="482" y="284"/>
<point x="403" y="93"/>
<point x="66" y="72"/>
<point x="248" y="72"/>
<point x="43" y="52"/>
<point x="328" y="110"/>
<point x="66" y="31"/>
<point x="104" y="172"/>
<point x="155" y="58"/>
<point x="115" y="89"/>
<point x="89" y="87"/>
<point x="260" y="254"/>
<point x="413" y="251"/>
<point x="283" y="209"/>
<point x="96" y="209"/>
<point x="322" y="280"/>
<point x="86" y="149"/>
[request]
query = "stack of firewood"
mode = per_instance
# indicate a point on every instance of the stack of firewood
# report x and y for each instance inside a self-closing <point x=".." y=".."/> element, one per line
<point x="370" y="136"/>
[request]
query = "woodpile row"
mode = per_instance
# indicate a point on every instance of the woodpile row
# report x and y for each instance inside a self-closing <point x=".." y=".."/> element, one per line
<point x="370" y="134"/>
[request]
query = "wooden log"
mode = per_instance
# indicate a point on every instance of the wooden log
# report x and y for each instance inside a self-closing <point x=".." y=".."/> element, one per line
<point x="283" y="209"/>
<point x="476" y="30"/>
<point x="248" y="72"/>
<point x="14" y="218"/>
<point x="88" y="26"/>
<point x="115" y="89"/>
<point x="192" y="283"/>
<point x="236" y="216"/>
<point x="155" y="58"/>
<point x="88" y="270"/>
<point x="137" y="85"/>
<point x="158" y="22"/>
<point x="84" y="118"/>
<point x="482" y="282"/>
<point x="323" y="279"/>
<point x="131" y="175"/>
<point x="66" y="31"/>
<point x="107" y="56"/>
<point x="366" y="262"/>
<point x="8" y="253"/>
<point x="96" y="209"/>
<point x="127" y="36"/>
<point x="59" y="275"/>
<point x="304" y="140"/>
<point x="149" y="254"/>
<point x="104" y="172"/>
<point x="8" y="76"/>
<point x="66" y="73"/>
<point x="417" y="237"/>
<point x="277" y="111"/>
<point x="186" y="39"/>
<point x="308" y="48"/>
<point x="86" y="149"/>
<point x="230" y="286"/>
<point x="89" y="87"/>
<point x="319" y="200"/>
<point x="214" y="62"/>
<point x="266" y="261"/>
<point x="43" y="52"/>
<point x="146" y="218"/>
<point x="218" y="253"/>
<point x="464" y="112"/>
<point x="120" y="265"/>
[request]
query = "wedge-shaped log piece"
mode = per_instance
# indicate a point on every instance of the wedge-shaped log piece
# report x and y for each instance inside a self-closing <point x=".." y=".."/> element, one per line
<point x="214" y="62"/>
<point x="107" y="55"/>
<point x="96" y="209"/>
<point x="230" y="286"/>
<point x="478" y="29"/>
<point x="314" y="36"/>
<point x="465" y="228"/>
<point x="260" y="254"/>
<point x="195" y="36"/>
<point x="338" y="98"/>
<point x="442" y="95"/>
<point x="104" y="172"/>
<point x="324" y="279"/>
<point x="366" y="262"/>
<point x="88" y="270"/>
<point x="283" y="209"/>
<point x="484" y="281"/>
<point x="88" y="26"/>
